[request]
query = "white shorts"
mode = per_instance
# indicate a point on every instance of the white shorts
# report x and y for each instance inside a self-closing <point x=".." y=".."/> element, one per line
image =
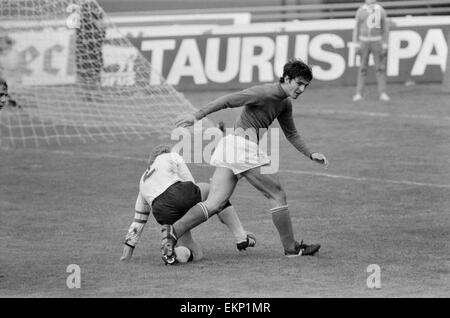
<point x="238" y="154"/>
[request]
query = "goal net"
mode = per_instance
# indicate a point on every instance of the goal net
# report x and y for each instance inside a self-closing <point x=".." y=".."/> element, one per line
<point x="73" y="77"/>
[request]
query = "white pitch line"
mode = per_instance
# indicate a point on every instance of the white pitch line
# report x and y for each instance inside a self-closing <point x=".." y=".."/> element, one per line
<point x="96" y="155"/>
<point x="376" y="114"/>
<point x="365" y="179"/>
<point x="302" y="172"/>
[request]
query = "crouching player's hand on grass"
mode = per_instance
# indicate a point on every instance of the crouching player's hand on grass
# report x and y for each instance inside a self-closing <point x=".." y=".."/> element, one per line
<point x="185" y="120"/>
<point x="127" y="253"/>
<point x="319" y="158"/>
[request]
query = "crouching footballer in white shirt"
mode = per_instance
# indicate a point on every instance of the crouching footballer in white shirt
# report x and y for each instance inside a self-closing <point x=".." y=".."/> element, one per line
<point x="168" y="190"/>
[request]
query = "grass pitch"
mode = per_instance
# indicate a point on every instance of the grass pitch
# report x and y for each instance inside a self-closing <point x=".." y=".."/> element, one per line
<point x="385" y="200"/>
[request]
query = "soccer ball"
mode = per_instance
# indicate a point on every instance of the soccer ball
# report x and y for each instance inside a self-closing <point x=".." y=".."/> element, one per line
<point x="182" y="254"/>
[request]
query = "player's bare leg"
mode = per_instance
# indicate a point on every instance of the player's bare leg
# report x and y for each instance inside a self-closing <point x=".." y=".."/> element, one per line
<point x="269" y="185"/>
<point x="229" y="217"/>
<point x="362" y="72"/>
<point x="223" y="183"/>
<point x="204" y="189"/>
<point x="379" y="59"/>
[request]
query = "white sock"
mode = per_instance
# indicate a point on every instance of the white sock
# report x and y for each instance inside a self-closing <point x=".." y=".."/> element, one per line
<point x="229" y="217"/>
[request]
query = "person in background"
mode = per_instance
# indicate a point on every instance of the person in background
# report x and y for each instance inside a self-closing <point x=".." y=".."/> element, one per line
<point x="11" y="71"/>
<point x="371" y="36"/>
<point x="90" y="36"/>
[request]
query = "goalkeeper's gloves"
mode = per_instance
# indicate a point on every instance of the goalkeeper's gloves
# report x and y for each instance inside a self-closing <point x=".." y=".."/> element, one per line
<point x="319" y="158"/>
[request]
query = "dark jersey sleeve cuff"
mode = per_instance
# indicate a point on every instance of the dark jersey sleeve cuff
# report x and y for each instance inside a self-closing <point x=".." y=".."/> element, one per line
<point x="199" y="114"/>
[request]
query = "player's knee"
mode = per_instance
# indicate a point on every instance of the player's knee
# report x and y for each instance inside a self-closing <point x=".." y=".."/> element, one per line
<point x="224" y="205"/>
<point x="279" y="196"/>
<point x="215" y="207"/>
<point x="227" y="204"/>
<point x="204" y="189"/>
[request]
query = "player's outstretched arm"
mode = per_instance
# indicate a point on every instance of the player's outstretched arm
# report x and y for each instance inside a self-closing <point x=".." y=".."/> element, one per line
<point x="232" y="100"/>
<point x="185" y="120"/>
<point x="290" y="131"/>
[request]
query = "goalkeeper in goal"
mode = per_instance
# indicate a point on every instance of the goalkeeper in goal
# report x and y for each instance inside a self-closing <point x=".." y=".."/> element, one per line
<point x="168" y="190"/>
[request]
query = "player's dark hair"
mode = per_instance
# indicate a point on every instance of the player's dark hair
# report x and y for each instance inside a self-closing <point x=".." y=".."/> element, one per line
<point x="295" y="68"/>
<point x="158" y="150"/>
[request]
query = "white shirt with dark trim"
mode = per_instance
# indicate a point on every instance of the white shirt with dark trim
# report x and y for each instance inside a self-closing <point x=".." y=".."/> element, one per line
<point x="167" y="169"/>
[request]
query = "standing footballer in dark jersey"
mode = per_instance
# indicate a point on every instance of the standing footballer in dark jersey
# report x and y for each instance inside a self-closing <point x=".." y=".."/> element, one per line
<point x="261" y="106"/>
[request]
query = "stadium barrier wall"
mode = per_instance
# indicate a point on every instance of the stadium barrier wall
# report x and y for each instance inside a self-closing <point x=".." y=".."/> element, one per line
<point x="234" y="57"/>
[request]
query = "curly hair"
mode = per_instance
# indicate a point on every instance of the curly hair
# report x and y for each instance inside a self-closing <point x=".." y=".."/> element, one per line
<point x="158" y="150"/>
<point x="295" y="68"/>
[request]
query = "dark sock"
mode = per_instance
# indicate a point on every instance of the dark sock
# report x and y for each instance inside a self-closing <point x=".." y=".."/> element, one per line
<point x="282" y="221"/>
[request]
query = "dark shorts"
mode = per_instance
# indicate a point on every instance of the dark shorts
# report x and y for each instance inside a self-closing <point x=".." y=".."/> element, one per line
<point x="173" y="203"/>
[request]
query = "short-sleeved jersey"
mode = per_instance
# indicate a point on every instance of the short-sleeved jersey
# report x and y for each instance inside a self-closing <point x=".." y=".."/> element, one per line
<point x="167" y="169"/>
<point x="371" y="23"/>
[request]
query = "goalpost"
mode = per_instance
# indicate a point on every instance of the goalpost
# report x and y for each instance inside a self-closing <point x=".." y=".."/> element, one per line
<point x="74" y="78"/>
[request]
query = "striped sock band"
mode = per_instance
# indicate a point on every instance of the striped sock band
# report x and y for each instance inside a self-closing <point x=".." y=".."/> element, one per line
<point x="204" y="209"/>
<point x="141" y="217"/>
<point x="278" y="209"/>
